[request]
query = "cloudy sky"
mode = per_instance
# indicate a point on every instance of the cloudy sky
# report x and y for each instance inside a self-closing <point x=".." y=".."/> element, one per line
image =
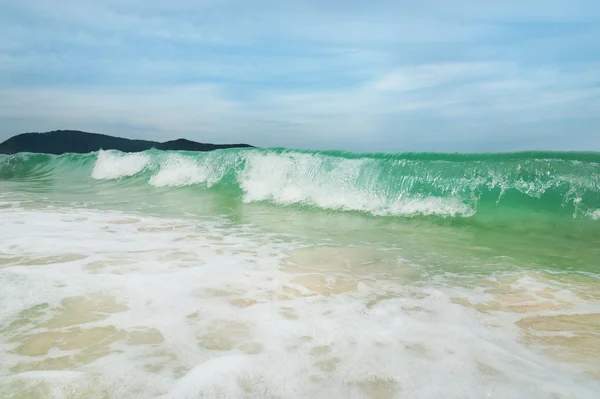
<point x="430" y="75"/>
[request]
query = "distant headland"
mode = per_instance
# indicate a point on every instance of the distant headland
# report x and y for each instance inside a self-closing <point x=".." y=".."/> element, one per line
<point x="74" y="141"/>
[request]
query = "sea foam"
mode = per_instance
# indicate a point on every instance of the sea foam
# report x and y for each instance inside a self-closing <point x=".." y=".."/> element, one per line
<point x="179" y="170"/>
<point x="114" y="165"/>
<point x="122" y="304"/>
<point x="230" y="288"/>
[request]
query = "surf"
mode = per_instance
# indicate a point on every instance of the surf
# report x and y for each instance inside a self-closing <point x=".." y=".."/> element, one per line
<point x="401" y="185"/>
<point x="176" y="274"/>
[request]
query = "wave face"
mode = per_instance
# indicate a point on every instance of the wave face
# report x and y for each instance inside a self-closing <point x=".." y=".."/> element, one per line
<point x="446" y="185"/>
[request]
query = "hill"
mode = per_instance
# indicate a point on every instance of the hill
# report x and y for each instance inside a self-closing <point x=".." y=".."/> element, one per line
<point x="74" y="141"/>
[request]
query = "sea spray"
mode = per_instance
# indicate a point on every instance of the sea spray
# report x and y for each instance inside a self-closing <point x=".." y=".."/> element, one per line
<point x="111" y="165"/>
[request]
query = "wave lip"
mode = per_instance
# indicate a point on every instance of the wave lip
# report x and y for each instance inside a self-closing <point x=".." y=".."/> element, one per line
<point x="114" y="165"/>
<point x="176" y="170"/>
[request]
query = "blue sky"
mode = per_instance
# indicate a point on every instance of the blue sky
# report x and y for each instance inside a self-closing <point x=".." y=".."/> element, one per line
<point x="432" y="75"/>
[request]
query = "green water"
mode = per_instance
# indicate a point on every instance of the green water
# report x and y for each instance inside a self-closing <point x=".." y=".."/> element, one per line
<point x="540" y="208"/>
<point x="485" y="249"/>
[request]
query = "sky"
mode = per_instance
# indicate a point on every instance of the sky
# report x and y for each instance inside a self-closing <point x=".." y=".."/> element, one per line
<point x="392" y="76"/>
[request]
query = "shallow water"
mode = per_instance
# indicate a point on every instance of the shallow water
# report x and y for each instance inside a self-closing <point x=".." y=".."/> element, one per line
<point x="112" y="289"/>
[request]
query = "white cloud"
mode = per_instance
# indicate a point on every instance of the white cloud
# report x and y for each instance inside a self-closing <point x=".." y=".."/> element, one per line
<point x="318" y="118"/>
<point x="431" y="75"/>
<point x="306" y="73"/>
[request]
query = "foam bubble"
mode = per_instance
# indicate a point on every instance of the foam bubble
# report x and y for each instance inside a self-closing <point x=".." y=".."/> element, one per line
<point x="114" y="165"/>
<point x="595" y="215"/>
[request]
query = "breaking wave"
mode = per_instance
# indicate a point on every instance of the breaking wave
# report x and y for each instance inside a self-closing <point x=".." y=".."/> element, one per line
<point x="449" y="185"/>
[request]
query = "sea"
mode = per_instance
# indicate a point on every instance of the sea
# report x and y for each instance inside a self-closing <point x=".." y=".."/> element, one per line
<point x="277" y="273"/>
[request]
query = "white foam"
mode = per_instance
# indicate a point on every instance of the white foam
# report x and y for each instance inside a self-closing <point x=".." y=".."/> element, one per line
<point x="333" y="183"/>
<point x="178" y="170"/>
<point x="236" y="325"/>
<point x="595" y="215"/>
<point x="114" y="165"/>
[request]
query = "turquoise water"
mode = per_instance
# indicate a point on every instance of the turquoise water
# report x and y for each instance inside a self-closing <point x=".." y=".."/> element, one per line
<point x="281" y="273"/>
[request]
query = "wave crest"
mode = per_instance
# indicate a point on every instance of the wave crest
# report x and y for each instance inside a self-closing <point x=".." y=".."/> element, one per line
<point x="380" y="184"/>
<point x="337" y="184"/>
<point x="115" y="165"/>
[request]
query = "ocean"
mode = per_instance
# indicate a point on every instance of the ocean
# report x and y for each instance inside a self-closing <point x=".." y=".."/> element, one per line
<point x="272" y="273"/>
